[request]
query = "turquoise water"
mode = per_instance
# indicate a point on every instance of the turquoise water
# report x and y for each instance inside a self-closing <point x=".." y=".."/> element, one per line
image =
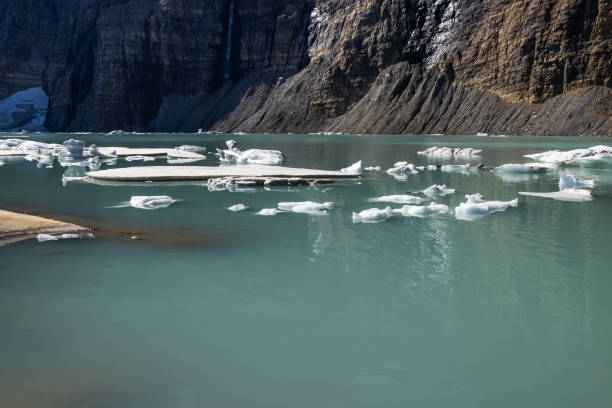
<point x="509" y="310"/>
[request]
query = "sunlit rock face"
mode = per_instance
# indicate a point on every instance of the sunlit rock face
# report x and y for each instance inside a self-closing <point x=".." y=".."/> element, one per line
<point x="393" y="66"/>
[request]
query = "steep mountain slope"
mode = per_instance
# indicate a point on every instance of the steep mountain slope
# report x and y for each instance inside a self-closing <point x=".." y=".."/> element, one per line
<point x="386" y="66"/>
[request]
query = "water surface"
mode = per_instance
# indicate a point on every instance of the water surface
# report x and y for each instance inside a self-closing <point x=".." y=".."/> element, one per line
<point x="310" y="311"/>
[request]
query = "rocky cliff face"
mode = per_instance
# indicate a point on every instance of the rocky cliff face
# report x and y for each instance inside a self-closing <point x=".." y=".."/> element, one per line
<point x="392" y="66"/>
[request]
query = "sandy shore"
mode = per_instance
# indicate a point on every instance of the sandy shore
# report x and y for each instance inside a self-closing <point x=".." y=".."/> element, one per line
<point x="15" y="226"/>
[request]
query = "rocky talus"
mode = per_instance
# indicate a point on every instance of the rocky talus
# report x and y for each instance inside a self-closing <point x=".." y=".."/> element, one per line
<point x="378" y="66"/>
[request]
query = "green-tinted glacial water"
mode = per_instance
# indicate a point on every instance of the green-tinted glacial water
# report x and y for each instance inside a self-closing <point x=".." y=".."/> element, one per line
<point x="511" y="310"/>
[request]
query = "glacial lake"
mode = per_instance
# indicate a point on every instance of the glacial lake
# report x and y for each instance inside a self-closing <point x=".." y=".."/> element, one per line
<point x="227" y="309"/>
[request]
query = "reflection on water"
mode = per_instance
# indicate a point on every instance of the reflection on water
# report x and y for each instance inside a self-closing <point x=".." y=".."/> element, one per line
<point x="296" y="310"/>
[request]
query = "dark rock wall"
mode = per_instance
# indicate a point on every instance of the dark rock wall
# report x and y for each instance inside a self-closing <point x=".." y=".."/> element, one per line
<point x="393" y="66"/>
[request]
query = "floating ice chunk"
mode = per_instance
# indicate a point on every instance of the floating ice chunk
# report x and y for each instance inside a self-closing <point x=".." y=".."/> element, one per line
<point x="529" y="168"/>
<point x="151" y="202"/>
<point x="598" y="156"/>
<point x="47" y="237"/>
<point x="482" y="134"/>
<point x="570" y="194"/>
<point x="115" y="132"/>
<point x="432" y="167"/>
<point x="446" y="153"/>
<point x="238" y="207"/>
<point x="75" y="149"/>
<point x="567" y="181"/>
<point x="373" y="215"/>
<point x="372" y="168"/>
<point x="268" y="212"/>
<point x="354" y="168"/>
<point x="475" y="207"/>
<point x="1" y="163"/>
<point x="459" y="168"/>
<point x="139" y="158"/>
<point x="438" y="190"/>
<point x="192" y="148"/>
<point x="306" y="207"/>
<point x="398" y="199"/>
<point x="402" y="169"/>
<point x="421" y="210"/>
<point x="253" y="156"/>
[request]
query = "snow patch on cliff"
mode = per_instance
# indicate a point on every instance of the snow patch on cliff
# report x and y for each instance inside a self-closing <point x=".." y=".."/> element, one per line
<point x="443" y="30"/>
<point x="24" y="110"/>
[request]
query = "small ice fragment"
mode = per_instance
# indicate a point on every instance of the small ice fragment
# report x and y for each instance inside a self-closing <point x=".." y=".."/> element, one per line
<point x="354" y="168"/>
<point x="238" y="207"/>
<point x="253" y="156"/>
<point x="306" y="207"/>
<point x="151" y="202"/>
<point x="192" y="148"/>
<point x="372" y="168"/>
<point x="1" y="163"/>
<point x="482" y="134"/>
<point x="398" y="199"/>
<point x="47" y="237"/>
<point x="459" y="168"/>
<point x="373" y="215"/>
<point x="421" y="210"/>
<point x="139" y="157"/>
<point x="438" y="190"/>
<point x="432" y="167"/>
<point x="268" y="212"/>
<point x="567" y="181"/>
<point x="475" y="207"/>
<point x="570" y="194"/>
<point x="402" y="169"/>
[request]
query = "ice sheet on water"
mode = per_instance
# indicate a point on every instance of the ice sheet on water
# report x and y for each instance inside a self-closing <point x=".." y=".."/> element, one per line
<point x="438" y="190"/>
<point x="567" y="181"/>
<point x="306" y="207"/>
<point x="238" y="207"/>
<point x="373" y="215"/>
<point x="570" y="194"/>
<point x="354" y="168"/>
<point x="151" y="202"/>
<point x="475" y="207"/>
<point x="421" y="211"/>
<point x="398" y="199"/>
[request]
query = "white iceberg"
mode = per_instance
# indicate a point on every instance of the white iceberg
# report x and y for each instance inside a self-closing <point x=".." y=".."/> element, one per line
<point x="47" y="237"/>
<point x="234" y="155"/>
<point x="570" y="194"/>
<point x="151" y="202"/>
<point x="306" y="207"/>
<point x="595" y="156"/>
<point x="447" y="153"/>
<point x="567" y="181"/>
<point x="268" y="212"/>
<point x="354" y="168"/>
<point x="238" y="207"/>
<point x="373" y="215"/>
<point x="398" y="199"/>
<point x="438" y="190"/>
<point x="421" y="211"/>
<point x="372" y="168"/>
<point x="402" y="169"/>
<point x="475" y="207"/>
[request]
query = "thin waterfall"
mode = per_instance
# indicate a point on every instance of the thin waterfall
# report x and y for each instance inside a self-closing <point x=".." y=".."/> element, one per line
<point x="228" y="47"/>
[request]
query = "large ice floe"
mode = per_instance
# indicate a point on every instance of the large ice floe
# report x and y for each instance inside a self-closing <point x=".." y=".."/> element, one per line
<point x="233" y="155"/>
<point x="24" y="110"/>
<point x="438" y="190"/>
<point x="306" y="207"/>
<point x="151" y="202"/>
<point x="398" y="199"/>
<point x="421" y="211"/>
<point x="596" y="156"/>
<point x="447" y="153"/>
<point x="475" y="207"/>
<point x="354" y="168"/>
<point x="373" y="215"/>
<point x="569" y="194"/>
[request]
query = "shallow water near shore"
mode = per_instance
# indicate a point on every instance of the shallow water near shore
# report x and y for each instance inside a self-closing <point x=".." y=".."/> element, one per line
<point x="512" y="309"/>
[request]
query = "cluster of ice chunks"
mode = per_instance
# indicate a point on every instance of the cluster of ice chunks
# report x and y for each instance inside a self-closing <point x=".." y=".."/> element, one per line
<point x="447" y="153"/>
